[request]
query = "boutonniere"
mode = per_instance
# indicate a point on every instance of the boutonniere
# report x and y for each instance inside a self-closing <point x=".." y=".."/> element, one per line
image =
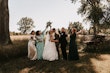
<point x="61" y="33"/>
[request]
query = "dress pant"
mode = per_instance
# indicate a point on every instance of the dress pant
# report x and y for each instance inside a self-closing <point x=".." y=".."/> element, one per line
<point x="57" y="47"/>
<point x="63" y="48"/>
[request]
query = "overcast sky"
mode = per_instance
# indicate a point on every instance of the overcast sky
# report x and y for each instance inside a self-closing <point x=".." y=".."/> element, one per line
<point x="60" y="12"/>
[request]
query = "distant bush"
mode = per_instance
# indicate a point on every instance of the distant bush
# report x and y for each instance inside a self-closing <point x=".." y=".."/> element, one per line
<point x="16" y="33"/>
<point x="99" y="47"/>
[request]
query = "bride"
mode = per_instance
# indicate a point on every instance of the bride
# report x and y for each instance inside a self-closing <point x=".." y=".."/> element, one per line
<point x="50" y="52"/>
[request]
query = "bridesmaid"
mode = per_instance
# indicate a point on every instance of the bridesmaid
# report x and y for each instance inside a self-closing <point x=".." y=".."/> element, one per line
<point x="73" y="51"/>
<point x="32" y="51"/>
<point x="40" y="44"/>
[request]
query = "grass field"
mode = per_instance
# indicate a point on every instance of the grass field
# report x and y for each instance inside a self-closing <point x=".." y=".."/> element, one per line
<point x="88" y="63"/>
<point x="13" y="59"/>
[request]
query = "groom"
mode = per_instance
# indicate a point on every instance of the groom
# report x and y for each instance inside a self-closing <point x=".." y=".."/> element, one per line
<point x="56" y="43"/>
<point x="63" y="42"/>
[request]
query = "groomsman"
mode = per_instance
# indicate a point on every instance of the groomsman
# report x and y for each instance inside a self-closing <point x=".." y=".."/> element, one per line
<point x="63" y="43"/>
<point x="56" y="43"/>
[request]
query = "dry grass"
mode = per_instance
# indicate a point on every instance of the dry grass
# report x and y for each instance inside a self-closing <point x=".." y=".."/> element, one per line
<point x="19" y="37"/>
<point x="17" y="61"/>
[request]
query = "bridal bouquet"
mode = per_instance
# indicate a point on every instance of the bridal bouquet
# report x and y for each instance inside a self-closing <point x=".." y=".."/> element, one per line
<point x="48" y="24"/>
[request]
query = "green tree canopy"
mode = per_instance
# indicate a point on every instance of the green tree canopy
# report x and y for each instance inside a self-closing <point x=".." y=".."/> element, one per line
<point x="93" y="10"/>
<point x="76" y="25"/>
<point x="25" y="25"/>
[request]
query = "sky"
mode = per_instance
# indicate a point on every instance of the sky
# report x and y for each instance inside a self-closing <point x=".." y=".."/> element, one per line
<point x="59" y="12"/>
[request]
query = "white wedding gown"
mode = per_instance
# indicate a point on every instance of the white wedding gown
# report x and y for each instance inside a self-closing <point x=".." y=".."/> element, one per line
<point x="50" y="52"/>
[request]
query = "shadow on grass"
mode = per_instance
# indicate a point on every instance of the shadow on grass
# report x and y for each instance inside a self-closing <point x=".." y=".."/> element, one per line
<point x="17" y="62"/>
<point x="24" y="65"/>
<point x="17" y="49"/>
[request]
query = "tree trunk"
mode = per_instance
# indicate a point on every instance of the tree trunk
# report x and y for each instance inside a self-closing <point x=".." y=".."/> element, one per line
<point x="89" y="31"/>
<point x="4" y="23"/>
<point x="94" y="27"/>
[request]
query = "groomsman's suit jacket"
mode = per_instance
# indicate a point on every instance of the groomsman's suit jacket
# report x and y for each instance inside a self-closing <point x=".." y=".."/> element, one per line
<point x="62" y="38"/>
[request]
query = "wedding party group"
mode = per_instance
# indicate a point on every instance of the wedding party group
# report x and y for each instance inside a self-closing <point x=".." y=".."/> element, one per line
<point x="46" y="45"/>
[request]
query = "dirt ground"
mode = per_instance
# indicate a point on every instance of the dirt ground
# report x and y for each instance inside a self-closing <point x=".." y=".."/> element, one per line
<point x="88" y="63"/>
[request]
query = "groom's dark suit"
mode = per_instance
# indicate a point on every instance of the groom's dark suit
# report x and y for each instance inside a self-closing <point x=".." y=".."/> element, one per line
<point x="57" y="44"/>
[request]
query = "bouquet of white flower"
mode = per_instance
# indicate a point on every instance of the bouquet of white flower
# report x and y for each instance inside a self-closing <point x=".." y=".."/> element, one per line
<point x="48" y="24"/>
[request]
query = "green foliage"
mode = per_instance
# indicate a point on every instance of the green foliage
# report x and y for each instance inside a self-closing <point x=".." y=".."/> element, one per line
<point x="73" y="1"/>
<point x="76" y="25"/>
<point x="99" y="47"/>
<point x="98" y="44"/>
<point x="96" y="14"/>
<point x="25" y="25"/>
<point x="106" y="19"/>
<point x="95" y="11"/>
<point x="92" y="9"/>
